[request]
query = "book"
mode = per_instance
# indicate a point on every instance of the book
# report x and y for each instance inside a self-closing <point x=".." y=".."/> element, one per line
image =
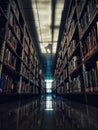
<point x="71" y="48"/>
<point x="8" y="84"/>
<point x="10" y="59"/>
<point x="88" y="14"/>
<point x="89" y="44"/>
<point x="12" y="41"/>
<point x="26" y="47"/>
<point x="26" y="34"/>
<point x="25" y="59"/>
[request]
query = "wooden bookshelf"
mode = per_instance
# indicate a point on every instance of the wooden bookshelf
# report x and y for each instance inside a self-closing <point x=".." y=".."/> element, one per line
<point x="19" y="66"/>
<point x="80" y="51"/>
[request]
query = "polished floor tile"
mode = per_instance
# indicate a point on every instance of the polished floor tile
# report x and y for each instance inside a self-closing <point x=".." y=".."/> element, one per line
<point x="48" y="113"/>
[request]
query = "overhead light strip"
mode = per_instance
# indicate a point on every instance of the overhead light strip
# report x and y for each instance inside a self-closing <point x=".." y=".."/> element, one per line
<point x="39" y="21"/>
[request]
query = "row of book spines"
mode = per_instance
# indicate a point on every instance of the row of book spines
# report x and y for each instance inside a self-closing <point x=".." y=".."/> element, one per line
<point x="72" y="47"/>
<point x="70" y="16"/>
<point x="91" y="79"/>
<point x="17" y="30"/>
<point x="64" y="41"/>
<point x="60" y="61"/>
<point x="71" y="30"/>
<point x="63" y="89"/>
<point x="62" y="51"/>
<point x="88" y="14"/>
<point x="17" y="14"/>
<point x="89" y="44"/>
<point x="25" y="87"/>
<point x="26" y="34"/>
<point x="74" y="85"/>
<point x="30" y="65"/>
<point x="26" y="59"/>
<point x="62" y="67"/>
<point x="9" y="58"/>
<point x="28" y="56"/>
<point x="15" y="26"/>
<point x="27" y="71"/>
<point x="61" y="72"/>
<point x="12" y="40"/>
<point x="26" y="48"/>
<point x="9" y="85"/>
<point x="31" y="52"/>
<point x="62" y="56"/>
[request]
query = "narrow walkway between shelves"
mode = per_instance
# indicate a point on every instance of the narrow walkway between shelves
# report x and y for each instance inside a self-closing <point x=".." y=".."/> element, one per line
<point x="48" y="113"/>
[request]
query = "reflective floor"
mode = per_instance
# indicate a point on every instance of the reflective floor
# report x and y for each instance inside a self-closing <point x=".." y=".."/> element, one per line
<point x="48" y="113"/>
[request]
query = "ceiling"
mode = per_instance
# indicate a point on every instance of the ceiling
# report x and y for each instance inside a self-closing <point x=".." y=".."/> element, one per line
<point x="45" y="20"/>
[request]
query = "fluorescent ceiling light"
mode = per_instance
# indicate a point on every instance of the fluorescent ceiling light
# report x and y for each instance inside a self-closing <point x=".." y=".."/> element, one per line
<point x="42" y="13"/>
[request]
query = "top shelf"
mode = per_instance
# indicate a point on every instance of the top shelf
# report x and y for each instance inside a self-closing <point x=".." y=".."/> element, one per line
<point x="88" y="27"/>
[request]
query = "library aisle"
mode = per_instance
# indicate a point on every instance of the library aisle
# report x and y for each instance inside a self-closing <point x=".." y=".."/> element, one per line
<point x="48" y="64"/>
<point x="48" y="113"/>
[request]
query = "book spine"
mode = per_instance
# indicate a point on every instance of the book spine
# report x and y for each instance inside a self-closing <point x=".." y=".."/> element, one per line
<point x="26" y="47"/>
<point x="89" y="44"/>
<point x="10" y="59"/>
<point x="71" y="48"/>
<point x="8" y="85"/>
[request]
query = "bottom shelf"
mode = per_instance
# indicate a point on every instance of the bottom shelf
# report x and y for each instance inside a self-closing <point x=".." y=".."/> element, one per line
<point x="6" y="98"/>
<point x="89" y="98"/>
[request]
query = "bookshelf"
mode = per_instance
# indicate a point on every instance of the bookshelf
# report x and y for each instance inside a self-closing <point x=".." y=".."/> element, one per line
<point x="19" y="66"/>
<point x="77" y="70"/>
